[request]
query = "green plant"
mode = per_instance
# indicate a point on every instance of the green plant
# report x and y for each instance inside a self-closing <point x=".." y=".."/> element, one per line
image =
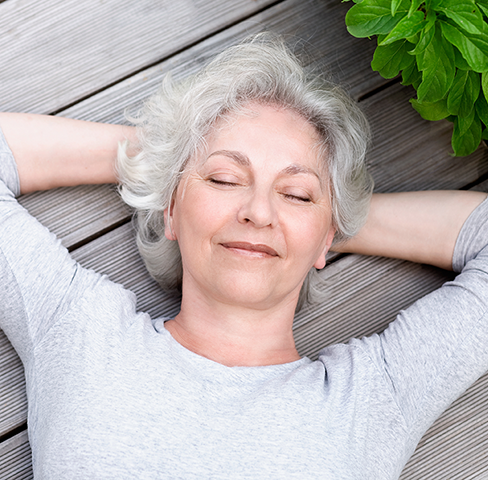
<point x="441" y="48"/>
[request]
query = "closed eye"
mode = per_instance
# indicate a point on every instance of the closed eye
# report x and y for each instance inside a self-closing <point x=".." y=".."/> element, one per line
<point x="297" y="198"/>
<point x="216" y="181"/>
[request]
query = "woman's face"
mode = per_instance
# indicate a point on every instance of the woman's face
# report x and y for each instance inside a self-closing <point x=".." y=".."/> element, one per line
<point x="252" y="214"/>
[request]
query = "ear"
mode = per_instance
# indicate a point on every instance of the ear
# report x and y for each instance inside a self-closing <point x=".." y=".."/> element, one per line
<point x="168" y="222"/>
<point x="320" y="262"/>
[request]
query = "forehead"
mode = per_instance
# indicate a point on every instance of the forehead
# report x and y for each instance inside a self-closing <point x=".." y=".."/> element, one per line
<point x="275" y="132"/>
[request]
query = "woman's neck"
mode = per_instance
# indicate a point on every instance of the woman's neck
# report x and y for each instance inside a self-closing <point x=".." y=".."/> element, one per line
<point x="236" y="336"/>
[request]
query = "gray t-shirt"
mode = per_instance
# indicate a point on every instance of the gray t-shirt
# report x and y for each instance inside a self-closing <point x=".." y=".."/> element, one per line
<point x="113" y="396"/>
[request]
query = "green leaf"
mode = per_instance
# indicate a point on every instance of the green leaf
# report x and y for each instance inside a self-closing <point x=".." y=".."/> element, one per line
<point x="425" y="38"/>
<point x="472" y="48"/>
<point x="406" y="27"/>
<point x="465" y="122"/>
<point x="481" y="41"/>
<point x="414" y="6"/>
<point x="463" y="93"/>
<point x="431" y="111"/>
<point x="482" y="108"/>
<point x="411" y="76"/>
<point x="436" y="63"/>
<point x="484" y="135"/>
<point x="483" y="6"/>
<point x="468" y="141"/>
<point x="431" y="18"/>
<point x="459" y="61"/>
<point x="484" y="83"/>
<point x="394" y="6"/>
<point x="388" y="60"/>
<point x="465" y="13"/>
<point x="373" y="17"/>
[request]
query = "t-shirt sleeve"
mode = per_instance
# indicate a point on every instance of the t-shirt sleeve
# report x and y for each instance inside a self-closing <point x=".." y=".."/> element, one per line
<point x="438" y="347"/>
<point x="37" y="275"/>
<point x="8" y="170"/>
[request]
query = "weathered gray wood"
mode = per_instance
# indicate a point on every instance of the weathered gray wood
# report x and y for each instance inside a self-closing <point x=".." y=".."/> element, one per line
<point x="410" y="153"/>
<point x="456" y="446"/>
<point x="54" y="52"/>
<point x="361" y="296"/>
<point x="76" y="214"/>
<point x="15" y="458"/>
<point x="315" y="28"/>
<point x="115" y="254"/>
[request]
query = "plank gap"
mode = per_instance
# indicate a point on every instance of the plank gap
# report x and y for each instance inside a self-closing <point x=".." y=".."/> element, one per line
<point x="379" y="89"/>
<point x="482" y="178"/>
<point x="99" y="233"/>
<point x="20" y="428"/>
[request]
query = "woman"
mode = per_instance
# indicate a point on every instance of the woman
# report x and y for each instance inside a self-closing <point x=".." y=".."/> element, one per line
<point x="263" y="169"/>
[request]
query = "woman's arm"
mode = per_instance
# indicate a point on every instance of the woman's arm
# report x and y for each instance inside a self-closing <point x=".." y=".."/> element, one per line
<point x="417" y="226"/>
<point x="56" y="152"/>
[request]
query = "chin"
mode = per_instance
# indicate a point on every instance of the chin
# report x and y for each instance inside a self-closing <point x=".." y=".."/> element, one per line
<point x="254" y="294"/>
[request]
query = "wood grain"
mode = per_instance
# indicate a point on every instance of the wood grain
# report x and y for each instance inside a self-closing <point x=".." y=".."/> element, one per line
<point x="55" y="52"/>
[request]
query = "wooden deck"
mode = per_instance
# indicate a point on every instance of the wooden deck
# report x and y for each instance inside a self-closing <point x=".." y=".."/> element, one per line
<point x="96" y="58"/>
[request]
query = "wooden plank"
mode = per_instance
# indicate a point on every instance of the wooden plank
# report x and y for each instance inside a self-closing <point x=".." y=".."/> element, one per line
<point x="361" y="296"/>
<point x="15" y="458"/>
<point x="77" y="214"/>
<point x="456" y="446"/>
<point x="410" y="153"/>
<point x="316" y="29"/>
<point x="54" y="52"/>
<point x="115" y="254"/>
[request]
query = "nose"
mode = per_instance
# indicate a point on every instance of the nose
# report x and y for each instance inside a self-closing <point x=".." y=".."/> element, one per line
<point x="258" y="209"/>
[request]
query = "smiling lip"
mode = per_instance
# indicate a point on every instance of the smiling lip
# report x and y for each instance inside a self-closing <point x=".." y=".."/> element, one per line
<point x="251" y="247"/>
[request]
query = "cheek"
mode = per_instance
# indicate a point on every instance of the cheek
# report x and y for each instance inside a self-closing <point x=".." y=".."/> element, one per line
<point x="199" y="212"/>
<point x="308" y="233"/>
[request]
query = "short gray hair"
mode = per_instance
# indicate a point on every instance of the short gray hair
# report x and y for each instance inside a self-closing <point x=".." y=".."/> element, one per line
<point x="174" y="122"/>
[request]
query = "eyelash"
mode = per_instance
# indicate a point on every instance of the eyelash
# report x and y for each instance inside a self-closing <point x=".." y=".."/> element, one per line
<point x="221" y="182"/>
<point x="296" y="198"/>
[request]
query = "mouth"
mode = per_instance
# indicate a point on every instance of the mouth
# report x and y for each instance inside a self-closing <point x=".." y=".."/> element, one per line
<point x="251" y="249"/>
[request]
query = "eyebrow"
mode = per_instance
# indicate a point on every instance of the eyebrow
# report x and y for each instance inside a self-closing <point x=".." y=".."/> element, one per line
<point x="293" y="169"/>
<point x="238" y="157"/>
<point x="296" y="169"/>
